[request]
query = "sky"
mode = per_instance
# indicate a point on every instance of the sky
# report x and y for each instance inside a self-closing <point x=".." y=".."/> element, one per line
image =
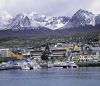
<point x="49" y="7"/>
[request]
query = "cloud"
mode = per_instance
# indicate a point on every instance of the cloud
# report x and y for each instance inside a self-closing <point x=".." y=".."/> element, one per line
<point x="95" y="7"/>
<point x="2" y="4"/>
<point x="49" y="7"/>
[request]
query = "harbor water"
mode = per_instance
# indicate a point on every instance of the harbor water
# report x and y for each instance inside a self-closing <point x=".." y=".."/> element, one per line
<point x="89" y="76"/>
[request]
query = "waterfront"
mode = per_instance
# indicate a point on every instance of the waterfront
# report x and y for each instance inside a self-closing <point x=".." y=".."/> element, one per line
<point x="89" y="76"/>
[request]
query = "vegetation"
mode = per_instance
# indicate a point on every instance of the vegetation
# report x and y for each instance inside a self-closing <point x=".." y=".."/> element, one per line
<point x="87" y="37"/>
<point x="1" y="59"/>
<point x="45" y="58"/>
<point x="45" y="55"/>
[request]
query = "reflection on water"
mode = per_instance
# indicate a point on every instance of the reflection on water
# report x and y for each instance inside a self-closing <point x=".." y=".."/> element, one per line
<point x="51" y="77"/>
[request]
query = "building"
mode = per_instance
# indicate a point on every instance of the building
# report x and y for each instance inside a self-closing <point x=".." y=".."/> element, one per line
<point x="96" y="53"/>
<point x="10" y="53"/>
<point x="93" y="54"/>
<point x="4" y="52"/>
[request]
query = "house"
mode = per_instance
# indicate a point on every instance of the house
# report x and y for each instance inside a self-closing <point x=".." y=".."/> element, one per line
<point x="4" y="52"/>
<point x="96" y="53"/>
<point x="58" y="52"/>
<point x="90" y="54"/>
<point x="10" y="53"/>
<point x="36" y="53"/>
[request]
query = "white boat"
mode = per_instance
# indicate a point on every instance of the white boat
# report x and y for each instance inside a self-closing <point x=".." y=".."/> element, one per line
<point x="46" y="65"/>
<point x="34" y="64"/>
<point x="72" y="64"/>
<point x="25" y="66"/>
<point x="36" y="67"/>
<point x="59" y="64"/>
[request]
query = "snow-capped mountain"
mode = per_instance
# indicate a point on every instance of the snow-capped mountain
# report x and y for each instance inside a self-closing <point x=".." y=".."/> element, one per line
<point x="20" y="21"/>
<point x="37" y="17"/>
<point x="35" y="20"/>
<point x="82" y="17"/>
<point x="5" y="19"/>
<point x="48" y="22"/>
<point x="57" y="22"/>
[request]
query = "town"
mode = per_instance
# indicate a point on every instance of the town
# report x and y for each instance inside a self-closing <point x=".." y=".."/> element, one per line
<point x="60" y="54"/>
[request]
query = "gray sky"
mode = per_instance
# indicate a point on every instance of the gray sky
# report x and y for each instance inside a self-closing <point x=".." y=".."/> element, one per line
<point x="49" y="7"/>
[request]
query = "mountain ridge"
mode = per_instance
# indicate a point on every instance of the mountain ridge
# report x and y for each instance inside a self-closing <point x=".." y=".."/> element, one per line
<point x="33" y="20"/>
<point x="34" y="23"/>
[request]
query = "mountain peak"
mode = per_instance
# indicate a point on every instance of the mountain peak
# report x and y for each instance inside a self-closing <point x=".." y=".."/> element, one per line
<point x="36" y="16"/>
<point x="81" y="11"/>
<point x="21" y="15"/>
<point x="82" y="17"/>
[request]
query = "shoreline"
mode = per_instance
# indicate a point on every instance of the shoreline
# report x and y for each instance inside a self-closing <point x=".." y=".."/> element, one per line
<point x="80" y="64"/>
<point x="88" y="64"/>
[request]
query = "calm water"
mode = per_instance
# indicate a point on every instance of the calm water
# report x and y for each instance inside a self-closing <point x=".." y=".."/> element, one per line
<point x="51" y="77"/>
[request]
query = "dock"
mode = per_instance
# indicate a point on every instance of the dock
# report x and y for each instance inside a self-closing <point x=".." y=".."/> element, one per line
<point x="9" y="68"/>
<point x="88" y="64"/>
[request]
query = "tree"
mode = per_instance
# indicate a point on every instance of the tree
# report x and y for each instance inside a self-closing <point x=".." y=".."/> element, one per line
<point x="1" y="59"/>
<point x="44" y="57"/>
<point x="46" y="53"/>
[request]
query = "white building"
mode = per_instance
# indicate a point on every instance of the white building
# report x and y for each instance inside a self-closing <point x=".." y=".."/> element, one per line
<point x="4" y="52"/>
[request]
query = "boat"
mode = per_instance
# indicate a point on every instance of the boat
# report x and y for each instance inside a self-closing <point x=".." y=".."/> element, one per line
<point x="59" y="64"/>
<point x="72" y="64"/>
<point x="34" y="64"/>
<point x="25" y="66"/>
<point x="46" y="65"/>
<point x="8" y="66"/>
